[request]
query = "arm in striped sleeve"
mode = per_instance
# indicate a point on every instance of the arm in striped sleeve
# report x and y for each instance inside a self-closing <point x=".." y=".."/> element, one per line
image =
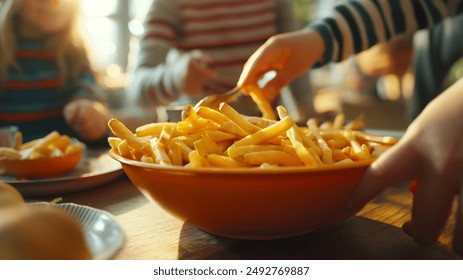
<point x="357" y="25"/>
<point x="151" y="81"/>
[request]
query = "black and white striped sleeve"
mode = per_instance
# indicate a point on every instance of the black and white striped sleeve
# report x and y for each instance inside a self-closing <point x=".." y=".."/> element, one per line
<point x="357" y="25"/>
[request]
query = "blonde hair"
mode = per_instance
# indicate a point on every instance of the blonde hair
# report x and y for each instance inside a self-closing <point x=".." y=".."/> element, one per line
<point x="68" y="45"/>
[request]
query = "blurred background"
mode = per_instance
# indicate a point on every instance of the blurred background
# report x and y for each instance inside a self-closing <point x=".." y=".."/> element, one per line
<point x="113" y="27"/>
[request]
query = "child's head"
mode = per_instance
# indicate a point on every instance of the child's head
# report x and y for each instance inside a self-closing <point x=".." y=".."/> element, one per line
<point x="41" y="18"/>
<point x="55" y="21"/>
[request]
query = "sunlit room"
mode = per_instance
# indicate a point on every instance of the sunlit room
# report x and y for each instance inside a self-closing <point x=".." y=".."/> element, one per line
<point x="257" y="138"/>
<point x="113" y="29"/>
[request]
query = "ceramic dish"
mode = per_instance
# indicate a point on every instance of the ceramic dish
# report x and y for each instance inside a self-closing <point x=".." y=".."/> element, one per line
<point x="249" y="203"/>
<point x="94" y="169"/>
<point x="40" y="168"/>
<point x="103" y="234"/>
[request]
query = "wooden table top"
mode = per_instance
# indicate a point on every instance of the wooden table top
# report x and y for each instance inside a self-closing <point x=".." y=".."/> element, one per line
<point x="153" y="234"/>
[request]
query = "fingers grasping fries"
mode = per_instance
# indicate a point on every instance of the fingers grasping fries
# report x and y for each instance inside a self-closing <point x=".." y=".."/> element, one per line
<point x="224" y="138"/>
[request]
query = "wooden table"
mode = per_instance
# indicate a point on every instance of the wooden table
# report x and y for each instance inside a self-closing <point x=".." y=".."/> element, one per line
<point x="152" y="233"/>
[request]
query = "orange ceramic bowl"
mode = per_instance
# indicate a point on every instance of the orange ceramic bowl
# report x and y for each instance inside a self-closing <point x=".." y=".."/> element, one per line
<point x="42" y="167"/>
<point x="248" y="203"/>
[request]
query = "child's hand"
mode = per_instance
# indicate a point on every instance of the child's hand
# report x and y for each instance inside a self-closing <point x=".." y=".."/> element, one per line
<point x="190" y="72"/>
<point x="89" y="119"/>
<point x="289" y="55"/>
<point x="431" y="153"/>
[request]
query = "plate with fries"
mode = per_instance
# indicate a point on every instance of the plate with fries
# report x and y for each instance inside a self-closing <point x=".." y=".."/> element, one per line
<point x="95" y="168"/>
<point x="54" y="164"/>
<point x="45" y="157"/>
<point x="248" y="177"/>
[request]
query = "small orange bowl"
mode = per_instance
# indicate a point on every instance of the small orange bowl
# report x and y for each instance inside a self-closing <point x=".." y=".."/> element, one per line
<point x="248" y="203"/>
<point x="44" y="167"/>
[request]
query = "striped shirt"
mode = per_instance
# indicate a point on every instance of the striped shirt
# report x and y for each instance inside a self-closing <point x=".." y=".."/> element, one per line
<point x="357" y="25"/>
<point x="229" y="31"/>
<point x="33" y="97"/>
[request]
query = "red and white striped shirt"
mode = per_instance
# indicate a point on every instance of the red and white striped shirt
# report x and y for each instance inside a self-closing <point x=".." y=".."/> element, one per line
<point x="228" y="31"/>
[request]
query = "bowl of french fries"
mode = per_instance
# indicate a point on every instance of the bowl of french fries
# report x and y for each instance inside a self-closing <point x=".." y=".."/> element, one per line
<point x="248" y="177"/>
<point x="46" y="157"/>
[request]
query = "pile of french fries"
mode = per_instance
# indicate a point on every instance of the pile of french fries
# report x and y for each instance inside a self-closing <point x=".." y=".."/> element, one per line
<point x="53" y="144"/>
<point x="224" y="138"/>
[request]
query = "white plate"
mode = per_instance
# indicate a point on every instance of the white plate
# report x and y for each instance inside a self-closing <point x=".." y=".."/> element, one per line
<point x="95" y="168"/>
<point x="103" y="234"/>
<point x="394" y="133"/>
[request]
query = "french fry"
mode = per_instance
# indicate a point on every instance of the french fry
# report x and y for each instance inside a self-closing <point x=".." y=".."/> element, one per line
<point x="165" y="135"/>
<point x="114" y="142"/>
<point x="55" y="152"/>
<point x="121" y="131"/>
<point x="386" y="140"/>
<point x="240" y="151"/>
<point x="355" y="124"/>
<point x="326" y="126"/>
<point x="296" y="140"/>
<point x="223" y="121"/>
<point x="161" y="156"/>
<point x="147" y="159"/>
<point x="124" y="149"/>
<point x="194" y="123"/>
<point x="266" y="165"/>
<point x="261" y="102"/>
<point x="76" y="148"/>
<point x="378" y="149"/>
<point x="9" y="153"/>
<point x="360" y="152"/>
<point x="175" y="154"/>
<point x="272" y="157"/>
<point x="339" y="155"/>
<point x="223" y="146"/>
<point x="29" y="144"/>
<point x="215" y="135"/>
<point x="337" y="143"/>
<point x="153" y="129"/>
<point x="197" y="160"/>
<point x="184" y="149"/>
<point x="237" y="118"/>
<point x="62" y="142"/>
<point x="36" y="155"/>
<point x="326" y="150"/>
<point x="310" y="141"/>
<point x="315" y="156"/>
<point x="203" y="149"/>
<point x="347" y="151"/>
<point x="260" y="122"/>
<point x="45" y="141"/>
<point x="339" y="121"/>
<point x="267" y="133"/>
<point x="344" y="161"/>
<point x="223" y="161"/>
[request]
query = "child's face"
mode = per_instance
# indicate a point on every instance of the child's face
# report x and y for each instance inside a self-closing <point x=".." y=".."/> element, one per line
<point x="38" y="18"/>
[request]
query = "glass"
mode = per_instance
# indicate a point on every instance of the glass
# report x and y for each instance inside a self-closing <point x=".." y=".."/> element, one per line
<point x="8" y="136"/>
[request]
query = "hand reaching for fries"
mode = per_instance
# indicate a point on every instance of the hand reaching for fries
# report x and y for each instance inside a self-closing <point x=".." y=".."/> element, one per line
<point x="289" y="55"/>
<point x="87" y="118"/>
<point x="431" y="154"/>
